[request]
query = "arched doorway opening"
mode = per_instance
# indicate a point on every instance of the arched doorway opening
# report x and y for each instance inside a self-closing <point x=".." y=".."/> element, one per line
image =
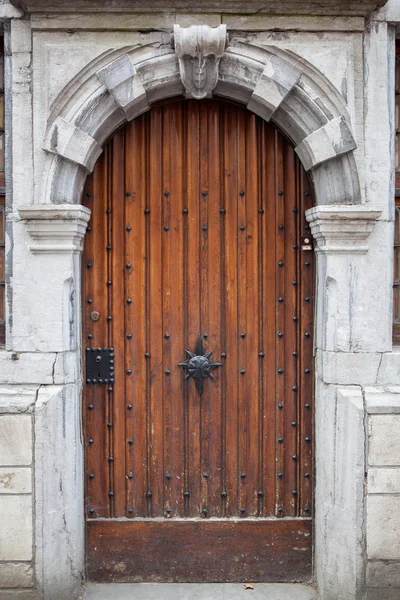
<point x="197" y="242"/>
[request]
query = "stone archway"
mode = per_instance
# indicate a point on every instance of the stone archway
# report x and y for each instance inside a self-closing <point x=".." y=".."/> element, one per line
<point x="282" y="88"/>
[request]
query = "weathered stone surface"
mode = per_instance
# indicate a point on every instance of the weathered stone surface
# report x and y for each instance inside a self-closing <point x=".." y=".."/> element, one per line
<point x="15" y="480"/>
<point x="383" y="593"/>
<point x="70" y="142"/>
<point x="16" y="527"/>
<point x="16" y="575"/>
<point x="383" y="400"/>
<point x="383" y="527"/>
<point x="28" y="368"/>
<point x="346" y="368"/>
<point x="383" y="575"/>
<point x="15" y="440"/>
<point x="384" y="440"/>
<point x="17" y="399"/>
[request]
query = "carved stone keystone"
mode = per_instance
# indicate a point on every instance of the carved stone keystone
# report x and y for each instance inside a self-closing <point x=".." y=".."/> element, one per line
<point x="199" y="49"/>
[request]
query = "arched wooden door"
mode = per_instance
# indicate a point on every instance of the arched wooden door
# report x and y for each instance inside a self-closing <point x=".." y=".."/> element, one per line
<point x="196" y="244"/>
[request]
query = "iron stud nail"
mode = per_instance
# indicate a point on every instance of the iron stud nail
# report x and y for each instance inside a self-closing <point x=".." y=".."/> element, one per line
<point x="108" y="211"/>
<point x="205" y="511"/>
<point x="129" y="301"/>
<point x="280" y="439"/>
<point x="280" y="299"/>
<point x="222" y="211"/>
<point x="111" y="493"/>
<point x="167" y="336"/>
<point x="242" y="371"/>
<point x="166" y="228"/>
<point x="128" y="265"/>
<point x="260" y="493"/>
<point x="168" y="510"/>
<point x="307" y="334"/>
<point x="242" y="510"/>
<point x="242" y="228"/>
<point x="224" y="494"/>
<point x="148" y="494"/>
<point x="129" y="407"/>
<point x="129" y="228"/>
<point x="294" y="211"/>
<point x="147" y="354"/>
<point x="294" y="388"/>
<point x="90" y="407"/>
<point x="89" y="265"/>
<point x="307" y="438"/>
<point x="109" y="282"/>
<point x="280" y="510"/>
<point x="88" y="194"/>
<point x="129" y="336"/>
<point x="204" y="228"/>
<point x="294" y="282"/>
<point x="261" y="211"/>
<point x="205" y="335"/>
<point x="294" y="456"/>
<point x="127" y="194"/>
<point x="223" y="355"/>
<point x="186" y="494"/>
<point x="147" y="211"/>
<point x="168" y="476"/>
<point x="281" y="263"/>
<point x="306" y="370"/>
<point x="166" y="193"/>
<point x="109" y="425"/>
<point x="109" y="318"/>
<point x="205" y="475"/>
<point x="241" y="193"/>
<point x="130" y="475"/>
<point x="307" y="405"/>
<point x="130" y="510"/>
<point x="280" y="227"/>
<point x="88" y="380"/>
<point x="261" y="354"/>
<point x="108" y="247"/>
<point x="204" y="193"/>
<point x="306" y="509"/>
<point x="280" y="193"/>
<point x="280" y="334"/>
<point x="90" y="336"/>
<point x="306" y="475"/>
<point x="295" y="319"/>
<point x="280" y="474"/>
<point x="307" y="264"/>
<point x="90" y="441"/>
<point x="91" y="475"/>
<point x="307" y="194"/>
<point x="91" y="510"/>
<point x="243" y="335"/>
<point x="110" y="389"/>
<point x="242" y="475"/>
<point x="185" y="211"/>
<point x="294" y="423"/>
<point x="94" y="380"/>
<point x="89" y="301"/>
<point x="280" y="405"/>
<point x="167" y="372"/>
<point x="294" y="492"/>
<point x="294" y="353"/>
<point x="307" y="299"/>
<point x="280" y="371"/>
<point x="130" y="441"/>
<point x="111" y="458"/>
<point x="295" y="247"/>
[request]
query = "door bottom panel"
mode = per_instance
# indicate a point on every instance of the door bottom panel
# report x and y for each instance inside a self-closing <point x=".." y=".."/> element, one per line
<point x="199" y="550"/>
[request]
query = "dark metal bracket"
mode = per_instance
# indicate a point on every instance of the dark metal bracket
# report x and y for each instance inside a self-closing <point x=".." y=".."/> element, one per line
<point x="99" y="365"/>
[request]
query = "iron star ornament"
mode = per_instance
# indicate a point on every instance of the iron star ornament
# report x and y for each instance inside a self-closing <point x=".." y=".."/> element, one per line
<point x="199" y="365"/>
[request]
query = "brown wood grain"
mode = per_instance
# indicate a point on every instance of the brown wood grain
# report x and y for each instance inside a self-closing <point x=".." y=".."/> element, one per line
<point x="198" y="550"/>
<point x="196" y="226"/>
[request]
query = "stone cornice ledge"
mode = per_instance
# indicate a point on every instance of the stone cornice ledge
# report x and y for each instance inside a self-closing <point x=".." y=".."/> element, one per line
<point x="56" y="228"/>
<point x="342" y="229"/>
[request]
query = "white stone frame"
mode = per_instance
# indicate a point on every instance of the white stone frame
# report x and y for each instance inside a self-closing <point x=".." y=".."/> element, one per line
<point x="282" y="88"/>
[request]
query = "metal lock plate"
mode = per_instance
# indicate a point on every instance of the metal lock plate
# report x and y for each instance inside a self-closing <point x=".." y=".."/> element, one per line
<point x="99" y="365"/>
<point x="306" y="242"/>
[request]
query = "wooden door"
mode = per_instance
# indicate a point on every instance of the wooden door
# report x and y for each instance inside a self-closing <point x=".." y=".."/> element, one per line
<point x="195" y="243"/>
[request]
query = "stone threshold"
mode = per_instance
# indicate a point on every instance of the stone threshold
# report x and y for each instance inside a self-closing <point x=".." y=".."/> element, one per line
<point x="199" y="591"/>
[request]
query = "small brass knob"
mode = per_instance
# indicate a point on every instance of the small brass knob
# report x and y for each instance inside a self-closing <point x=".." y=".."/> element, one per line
<point x="95" y="315"/>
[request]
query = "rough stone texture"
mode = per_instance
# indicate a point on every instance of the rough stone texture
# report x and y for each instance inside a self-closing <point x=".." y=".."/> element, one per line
<point x="383" y="574"/>
<point x="339" y="499"/>
<point x="384" y="440"/>
<point x="17" y="399"/>
<point x="15" y="575"/>
<point x="383" y="527"/>
<point x="15" y="440"/>
<point x="59" y="492"/>
<point x="16" y="527"/>
<point x="384" y="481"/>
<point x="383" y="400"/>
<point x="383" y="593"/>
<point x="15" y="480"/>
